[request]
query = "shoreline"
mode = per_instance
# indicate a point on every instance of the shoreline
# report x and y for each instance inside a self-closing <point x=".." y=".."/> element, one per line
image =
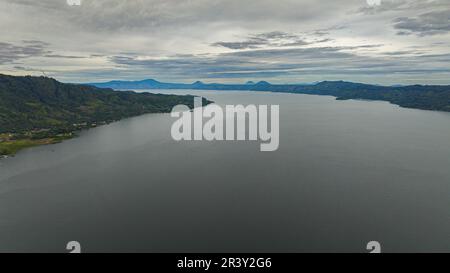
<point x="10" y="148"/>
<point x="13" y="143"/>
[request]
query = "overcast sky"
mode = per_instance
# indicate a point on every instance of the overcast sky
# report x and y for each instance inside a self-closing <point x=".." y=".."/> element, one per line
<point x="282" y="41"/>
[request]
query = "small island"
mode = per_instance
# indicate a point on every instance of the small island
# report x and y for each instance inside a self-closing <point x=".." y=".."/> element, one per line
<point x="40" y="110"/>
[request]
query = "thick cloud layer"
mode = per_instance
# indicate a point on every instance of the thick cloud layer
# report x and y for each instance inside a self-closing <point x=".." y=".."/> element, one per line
<point x="384" y="42"/>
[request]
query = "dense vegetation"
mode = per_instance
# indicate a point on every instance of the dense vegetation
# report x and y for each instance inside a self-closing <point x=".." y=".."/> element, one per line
<point x="37" y="110"/>
<point x="415" y="96"/>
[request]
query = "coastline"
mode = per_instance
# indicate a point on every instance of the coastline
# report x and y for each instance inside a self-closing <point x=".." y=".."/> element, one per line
<point x="12" y="143"/>
<point x="11" y="147"/>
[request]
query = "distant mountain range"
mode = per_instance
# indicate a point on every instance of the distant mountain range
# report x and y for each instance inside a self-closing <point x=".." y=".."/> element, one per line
<point x="427" y="97"/>
<point x="153" y="84"/>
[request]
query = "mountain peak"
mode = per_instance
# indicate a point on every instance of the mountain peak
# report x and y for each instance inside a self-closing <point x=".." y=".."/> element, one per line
<point x="150" y="81"/>
<point x="263" y="83"/>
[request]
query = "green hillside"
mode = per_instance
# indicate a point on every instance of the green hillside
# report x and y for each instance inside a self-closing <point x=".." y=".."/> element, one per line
<point x="40" y="110"/>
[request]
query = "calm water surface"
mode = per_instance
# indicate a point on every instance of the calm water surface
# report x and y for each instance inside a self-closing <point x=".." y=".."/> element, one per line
<point x="346" y="173"/>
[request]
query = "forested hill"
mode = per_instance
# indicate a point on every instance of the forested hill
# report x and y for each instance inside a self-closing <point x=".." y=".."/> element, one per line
<point x="41" y="103"/>
<point x="427" y="97"/>
<point x="432" y="97"/>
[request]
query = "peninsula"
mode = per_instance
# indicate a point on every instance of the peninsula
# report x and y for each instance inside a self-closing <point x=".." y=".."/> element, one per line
<point x="40" y="110"/>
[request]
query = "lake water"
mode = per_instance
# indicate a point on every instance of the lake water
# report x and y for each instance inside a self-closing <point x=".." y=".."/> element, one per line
<point x="346" y="173"/>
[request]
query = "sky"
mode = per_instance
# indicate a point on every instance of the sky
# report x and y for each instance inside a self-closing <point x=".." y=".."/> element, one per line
<point x="229" y="41"/>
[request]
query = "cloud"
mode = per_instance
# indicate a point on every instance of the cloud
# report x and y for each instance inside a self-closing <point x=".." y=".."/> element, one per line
<point x="233" y="40"/>
<point x="431" y="23"/>
<point x="120" y="15"/>
<point x="404" y="6"/>
<point x="241" y="45"/>
<point x="63" y="56"/>
<point x="268" y="39"/>
<point x="10" y="53"/>
<point x="295" y="63"/>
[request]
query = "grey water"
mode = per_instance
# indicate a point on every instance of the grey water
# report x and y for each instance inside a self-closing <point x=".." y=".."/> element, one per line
<point x="346" y="173"/>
